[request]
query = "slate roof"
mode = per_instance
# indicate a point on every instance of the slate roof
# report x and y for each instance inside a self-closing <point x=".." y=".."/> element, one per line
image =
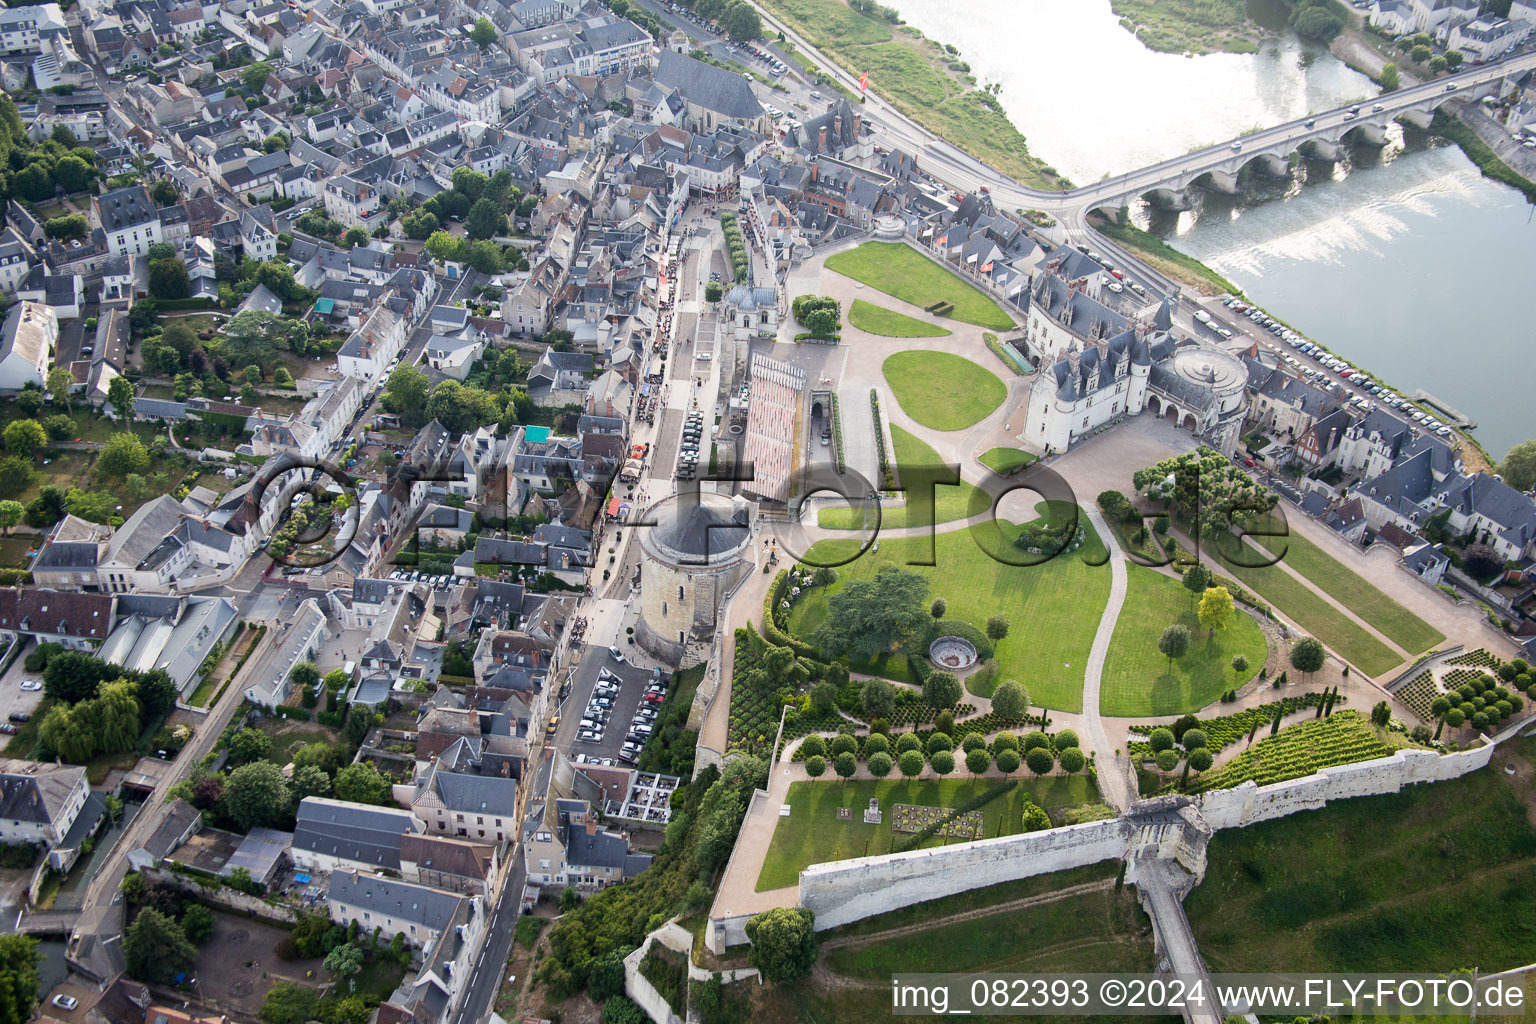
<point x="404" y="901"/>
<point x="724" y="92"/>
<point x="34" y="792"/>
<point x="355" y="832"/>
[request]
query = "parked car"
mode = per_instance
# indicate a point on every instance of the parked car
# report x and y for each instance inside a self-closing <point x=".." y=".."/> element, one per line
<point x="64" y="1002"/>
<point x="616" y="654"/>
<point x="31" y="685"/>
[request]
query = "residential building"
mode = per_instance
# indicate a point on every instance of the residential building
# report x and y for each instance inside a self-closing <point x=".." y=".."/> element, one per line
<point x="571" y="850"/>
<point x="331" y="836"/>
<point x="129" y="219"/>
<point x="394" y="907"/>
<point x="27" y="342"/>
<point x="39" y="802"/>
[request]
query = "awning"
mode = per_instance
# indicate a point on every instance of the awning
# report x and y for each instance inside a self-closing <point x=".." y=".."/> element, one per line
<point x="613" y="507"/>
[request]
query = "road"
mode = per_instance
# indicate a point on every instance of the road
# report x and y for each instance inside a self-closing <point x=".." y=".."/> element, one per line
<point x="485" y="978"/>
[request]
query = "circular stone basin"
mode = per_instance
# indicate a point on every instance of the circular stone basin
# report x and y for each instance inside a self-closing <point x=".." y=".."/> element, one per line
<point x="952" y="652"/>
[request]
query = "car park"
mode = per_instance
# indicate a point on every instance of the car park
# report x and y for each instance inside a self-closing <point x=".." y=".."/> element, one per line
<point x="590" y="736"/>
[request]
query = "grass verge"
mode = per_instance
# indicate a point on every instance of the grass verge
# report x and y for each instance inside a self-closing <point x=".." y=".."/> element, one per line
<point x="1166" y="258"/>
<point x="943" y="391"/>
<point x="902" y="272"/>
<point x="873" y="319"/>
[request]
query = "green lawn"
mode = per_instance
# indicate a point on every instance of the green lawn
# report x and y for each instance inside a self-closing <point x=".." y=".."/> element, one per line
<point x="926" y="502"/>
<point x="899" y="270"/>
<point x="943" y="391"/>
<point x="813" y="834"/>
<point x="867" y="316"/>
<point x="1054" y="606"/>
<point x="1397" y="623"/>
<point x="1005" y="460"/>
<point x="1137" y="678"/>
<point x="1438" y="877"/>
<point x="1314" y="614"/>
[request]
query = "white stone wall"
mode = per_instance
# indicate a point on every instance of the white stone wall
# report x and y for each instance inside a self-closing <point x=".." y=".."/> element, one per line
<point x="1249" y="803"/>
<point x="854" y="889"/>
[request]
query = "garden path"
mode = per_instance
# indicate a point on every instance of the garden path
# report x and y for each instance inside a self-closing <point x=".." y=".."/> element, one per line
<point x="1113" y="767"/>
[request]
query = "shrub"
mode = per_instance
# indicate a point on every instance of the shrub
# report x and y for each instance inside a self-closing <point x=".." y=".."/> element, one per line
<point x="1035" y="741"/>
<point x="1064" y="739"/>
<point x="1040" y="760"/>
<point x="1072" y="760"/>
<point x="879" y="764"/>
<point x="940" y="741"/>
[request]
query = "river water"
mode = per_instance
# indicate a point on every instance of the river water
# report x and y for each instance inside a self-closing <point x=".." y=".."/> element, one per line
<point x="1392" y="258"/>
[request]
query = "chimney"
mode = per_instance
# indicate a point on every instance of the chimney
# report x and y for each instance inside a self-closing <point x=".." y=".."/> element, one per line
<point x="821" y="139"/>
<point x="815" y="168"/>
<point x="837" y="127"/>
<point x="858" y="125"/>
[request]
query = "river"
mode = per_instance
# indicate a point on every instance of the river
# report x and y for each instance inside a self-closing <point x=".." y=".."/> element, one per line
<point x="1391" y="258"/>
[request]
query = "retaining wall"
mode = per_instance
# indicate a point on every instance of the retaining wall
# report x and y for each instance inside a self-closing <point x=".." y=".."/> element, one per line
<point x="1249" y="803"/>
<point x="849" y="890"/>
<point x="223" y="896"/>
<point x="642" y="991"/>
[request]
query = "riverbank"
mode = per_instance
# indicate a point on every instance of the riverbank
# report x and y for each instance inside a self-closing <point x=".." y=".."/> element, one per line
<point x="1190" y="26"/>
<point x="925" y="80"/>
<point x="1165" y="258"/>
<point x="1452" y="127"/>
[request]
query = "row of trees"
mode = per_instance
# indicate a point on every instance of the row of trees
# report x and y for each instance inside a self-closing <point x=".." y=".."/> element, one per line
<point x="98" y="708"/>
<point x="911" y="755"/>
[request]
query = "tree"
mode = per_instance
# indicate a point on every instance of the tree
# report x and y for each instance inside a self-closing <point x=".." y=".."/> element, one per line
<point x="249" y="745"/>
<point x="445" y="247"/>
<point x="942" y="762"/>
<point x="354" y="237"/>
<point x="304" y="674"/>
<point x="26" y="437"/>
<point x="1174" y="643"/>
<point x="1239" y="665"/>
<point x="485" y="256"/>
<point x="1196" y="578"/>
<point x="30" y="401"/>
<point x="73" y="174"/>
<point x="1010" y="700"/>
<point x="1040" y="760"/>
<point x="49" y="505"/>
<point x="64" y="228"/>
<point x="10" y="514"/>
<point x="878" y="698"/>
<point x="941" y="689"/>
<point x="1073" y="760"/>
<point x="938" y="608"/>
<point x="155" y="947"/>
<point x="469" y="183"/>
<point x="1203" y="488"/>
<point x="168" y="279"/>
<point x="1035" y="740"/>
<point x="121" y="395"/>
<point x="1381" y="713"/>
<point x="1519" y="466"/>
<point x="19" y="963"/>
<point x="1160" y="740"/>
<point x="872" y="617"/>
<point x="1480" y="561"/>
<point x="345" y="960"/>
<point x="123" y="453"/>
<point x="879" y="764"/>
<point x="845" y="764"/>
<point x="58" y="384"/>
<point x="1308" y="655"/>
<point x="361" y="783"/>
<point x="484" y="33"/>
<point x="254" y="77"/>
<point x="1200" y="759"/>
<point x="485" y="220"/>
<point x="461" y="408"/>
<point x="1008" y="761"/>
<point x="783" y="943"/>
<point x="997" y="628"/>
<point x="197" y="923"/>
<point x="257" y="795"/>
<point x="310" y="781"/>
<point x="815" y="766"/>
<point x="824" y="697"/>
<point x="405" y="394"/>
<point x="419" y="225"/>
<point x="164" y="192"/>
<point x="911" y="763"/>
<point x="978" y="761"/>
<point x="1215" y="609"/>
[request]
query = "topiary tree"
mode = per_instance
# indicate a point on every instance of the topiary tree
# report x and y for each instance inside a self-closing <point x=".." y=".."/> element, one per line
<point x="908" y="741"/>
<point x="971" y="741"/>
<point x="942" y="689"/>
<point x="1174" y="642"/>
<point x="845" y="765"/>
<point x="1010" y="700"/>
<point x="813" y="746"/>
<point x="1064" y="739"/>
<point x="911" y="764"/>
<point x="1040" y="760"/>
<point x="1308" y="655"/>
<point x="940" y="741"/>
<point x="997" y="628"/>
<point x="843" y="744"/>
<point x="1167" y="760"/>
<point x="1073" y="760"/>
<point x="815" y="766"/>
<point x="1036" y="740"/>
<point x="1200" y="759"/>
<point x="944" y="722"/>
<point x="1194" y="738"/>
<point x="879" y="764"/>
<point x="977" y="760"/>
<point x="942" y="761"/>
<point x="876" y="744"/>
<point x="1007" y="760"/>
<point x="1005" y="740"/>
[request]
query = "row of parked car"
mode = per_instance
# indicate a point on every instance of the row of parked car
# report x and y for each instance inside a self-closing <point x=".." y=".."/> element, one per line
<point x="440" y="582"/>
<point x="1369" y="392"/>
<point x="688" y="451"/>
<point x="594" y="722"/>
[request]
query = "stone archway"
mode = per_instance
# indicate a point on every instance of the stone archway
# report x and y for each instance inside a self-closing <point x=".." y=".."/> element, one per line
<point x="1190" y="423"/>
<point x="1172" y="413"/>
<point x="1154" y="405"/>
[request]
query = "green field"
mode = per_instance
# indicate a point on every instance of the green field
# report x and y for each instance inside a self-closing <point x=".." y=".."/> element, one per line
<point x="926" y="503"/>
<point x="1055" y="606"/>
<point x="1137" y="679"/>
<point x="873" y="319"/>
<point x="1396" y="623"/>
<point x="1438" y="877"/>
<point x="1004" y="460"/>
<point x="1313" y="613"/>
<point x="901" y="271"/>
<point x="943" y="391"/>
<point x="813" y="834"/>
